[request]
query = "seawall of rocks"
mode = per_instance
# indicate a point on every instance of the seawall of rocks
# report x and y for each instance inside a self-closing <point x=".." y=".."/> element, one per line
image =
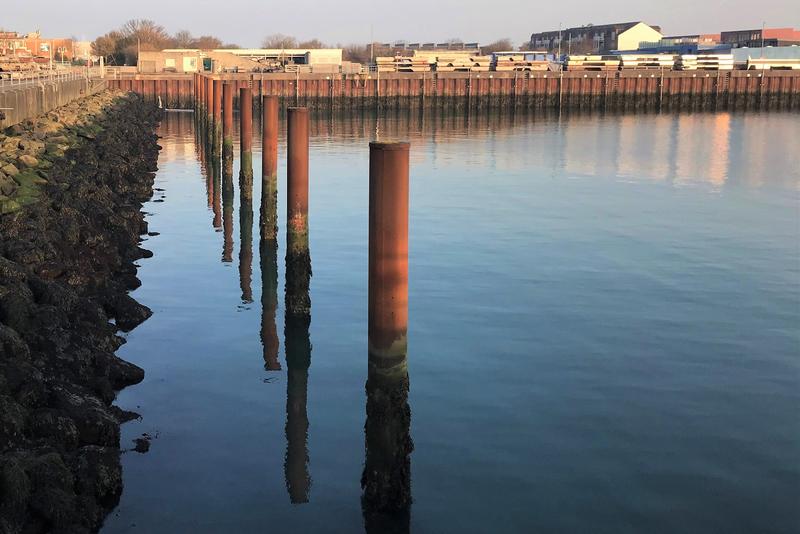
<point x="72" y="185"/>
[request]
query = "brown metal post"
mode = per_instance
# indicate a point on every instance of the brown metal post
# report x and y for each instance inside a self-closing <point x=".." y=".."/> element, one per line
<point x="269" y="168"/>
<point x="297" y="181"/>
<point x="298" y="307"/>
<point x="388" y="253"/>
<point x="227" y="121"/>
<point x="386" y="479"/>
<point x="201" y="94"/>
<point x="246" y="142"/>
<point x="216" y="129"/>
<point x="210" y="89"/>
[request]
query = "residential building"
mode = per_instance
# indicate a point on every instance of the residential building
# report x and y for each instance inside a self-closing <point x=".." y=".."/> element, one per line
<point x="769" y="37"/>
<point x="598" y="39"/>
<point x="33" y="45"/>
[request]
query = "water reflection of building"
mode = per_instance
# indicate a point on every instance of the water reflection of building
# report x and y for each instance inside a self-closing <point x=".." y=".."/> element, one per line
<point x="642" y="153"/>
<point x="679" y="148"/>
<point x="701" y="148"/>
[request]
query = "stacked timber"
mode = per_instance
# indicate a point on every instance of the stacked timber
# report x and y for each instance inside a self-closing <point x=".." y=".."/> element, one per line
<point x="462" y="63"/>
<point x="507" y="63"/>
<point x="411" y="64"/>
<point x="686" y="62"/>
<point x="772" y="64"/>
<point x="385" y="64"/>
<point x="715" y="62"/>
<point x="480" y="63"/>
<point x="649" y="61"/>
<point x="704" y="62"/>
<point x="593" y="63"/>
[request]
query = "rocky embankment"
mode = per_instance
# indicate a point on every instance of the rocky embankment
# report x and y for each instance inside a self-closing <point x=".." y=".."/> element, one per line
<point x="72" y="185"/>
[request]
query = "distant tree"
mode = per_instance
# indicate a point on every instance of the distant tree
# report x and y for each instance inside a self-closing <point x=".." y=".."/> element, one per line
<point x="356" y="53"/>
<point x="207" y="42"/>
<point x="109" y="46"/>
<point x="279" y="40"/>
<point x="140" y="34"/>
<point x="121" y="47"/>
<point x="455" y="41"/>
<point x="501" y="45"/>
<point x="145" y="32"/>
<point x="232" y="46"/>
<point x="312" y="43"/>
<point x="183" y="39"/>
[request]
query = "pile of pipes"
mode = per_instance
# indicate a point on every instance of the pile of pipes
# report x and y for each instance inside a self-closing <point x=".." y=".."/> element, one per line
<point x="772" y="64"/>
<point x="650" y="61"/>
<point x="593" y="63"/>
<point x="506" y="63"/>
<point x="704" y="62"/>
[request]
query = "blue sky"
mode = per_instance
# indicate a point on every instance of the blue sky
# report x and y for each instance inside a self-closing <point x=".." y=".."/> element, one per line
<point x="246" y="22"/>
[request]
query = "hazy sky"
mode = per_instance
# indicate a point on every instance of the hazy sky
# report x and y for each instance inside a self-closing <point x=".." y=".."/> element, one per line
<point x="246" y="22"/>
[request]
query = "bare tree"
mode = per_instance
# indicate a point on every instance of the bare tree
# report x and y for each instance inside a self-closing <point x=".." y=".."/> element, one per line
<point x="122" y="46"/>
<point x="279" y="41"/>
<point x="501" y="45"/>
<point x="108" y="46"/>
<point x="146" y="32"/>
<point x="312" y="43"/>
<point x="356" y="53"/>
<point x="183" y="39"/>
<point x="207" y="42"/>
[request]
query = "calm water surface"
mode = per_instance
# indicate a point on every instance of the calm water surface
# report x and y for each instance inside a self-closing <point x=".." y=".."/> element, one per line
<point x="604" y="332"/>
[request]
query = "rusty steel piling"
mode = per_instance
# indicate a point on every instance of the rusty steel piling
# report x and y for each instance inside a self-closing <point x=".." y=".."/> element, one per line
<point x="297" y="342"/>
<point x="298" y="259"/>
<point x="298" y="308"/>
<point x="209" y="99"/>
<point x="216" y="129"/>
<point x="386" y="479"/>
<point x="388" y="253"/>
<point x="227" y="121"/>
<point x="227" y="211"/>
<point x="268" y="220"/>
<point x="246" y="142"/>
